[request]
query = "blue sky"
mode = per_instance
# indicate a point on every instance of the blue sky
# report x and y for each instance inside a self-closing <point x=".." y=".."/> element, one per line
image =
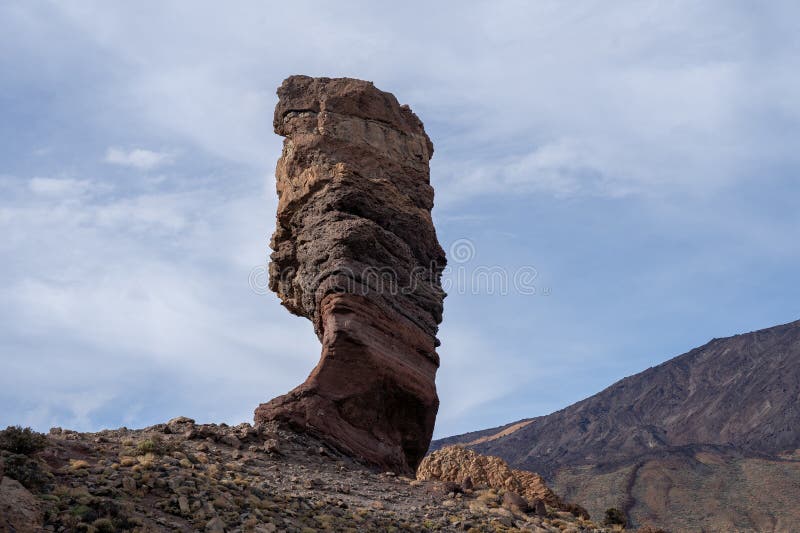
<point x="642" y="157"/>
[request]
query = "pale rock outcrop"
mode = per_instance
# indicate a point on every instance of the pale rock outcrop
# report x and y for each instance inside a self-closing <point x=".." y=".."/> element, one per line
<point x="456" y="464"/>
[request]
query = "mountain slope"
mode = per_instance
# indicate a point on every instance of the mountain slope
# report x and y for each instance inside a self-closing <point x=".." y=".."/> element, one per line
<point x="719" y="423"/>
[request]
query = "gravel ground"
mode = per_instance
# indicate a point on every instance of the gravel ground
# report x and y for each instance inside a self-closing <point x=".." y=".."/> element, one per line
<point x="183" y="476"/>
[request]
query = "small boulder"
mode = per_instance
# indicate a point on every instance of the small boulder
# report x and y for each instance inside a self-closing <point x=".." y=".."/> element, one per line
<point x="179" y="424"/>
<point x="215" y="525"/>
<point x="271" y="446"/>
<point x="129" y="484"/>
<point x="246" y="432"/>
<point x="203" y="431"/>
<point x="232" y="441"/>
<point x="452" y="487"/>
<point x="502" y="515"/>
<point x="180" y="420"/>
<point x="183" y="504"/>
<point x="538" y="508"/>
<point x="514" y="502"/>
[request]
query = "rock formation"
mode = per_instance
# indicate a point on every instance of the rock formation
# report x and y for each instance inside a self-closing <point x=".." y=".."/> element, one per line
<point x="457" y="464"/>
<point x="355" y="251"/>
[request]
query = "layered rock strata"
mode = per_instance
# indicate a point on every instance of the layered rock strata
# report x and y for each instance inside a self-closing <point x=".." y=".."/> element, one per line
<point x="457" y="464"/>
<point x="355" y="251"/>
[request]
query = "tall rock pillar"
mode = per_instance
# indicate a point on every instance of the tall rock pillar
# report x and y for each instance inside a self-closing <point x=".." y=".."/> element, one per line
<point x="355" y="251"/>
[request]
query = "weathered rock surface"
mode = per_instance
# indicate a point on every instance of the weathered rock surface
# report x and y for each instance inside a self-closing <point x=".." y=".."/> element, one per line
<point x="355" y="251"/>
<point x="457" y="464"/>
<point x="19" y="509"/>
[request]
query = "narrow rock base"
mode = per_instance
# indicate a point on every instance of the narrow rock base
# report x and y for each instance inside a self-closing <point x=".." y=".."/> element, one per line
<point x="372" y="394"/>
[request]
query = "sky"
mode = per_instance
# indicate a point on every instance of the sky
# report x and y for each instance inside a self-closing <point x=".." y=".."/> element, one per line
<point x="634" y="166"/>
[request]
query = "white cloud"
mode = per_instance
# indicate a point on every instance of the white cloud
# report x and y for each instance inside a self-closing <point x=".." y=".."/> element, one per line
<point x="135" y="281"/>
<point x="57" y="186"/>
<point x="656" y="99"/>
<point x="642" y="100"/>
<point x="137" y="158"/>
<point x="560" y="168"/>
<point x="468" y="379"/>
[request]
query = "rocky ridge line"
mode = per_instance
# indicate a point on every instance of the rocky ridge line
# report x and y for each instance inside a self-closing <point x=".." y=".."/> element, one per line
<point x="183" y="476"/>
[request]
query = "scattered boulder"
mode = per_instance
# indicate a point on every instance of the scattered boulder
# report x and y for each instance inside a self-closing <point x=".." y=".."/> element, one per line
<point x="128" y="483"/>
<point x="183" y="504"/>
<point x="451" y="487"/>
<point x="514" y="502"/>
<point x="215" y="525"/>
<point x="272" y="446"/>
<point x="206" y="485"/>
<point x="180" y="424"/>
<point x="538" y="507"/>
<point x="232" y="441"/>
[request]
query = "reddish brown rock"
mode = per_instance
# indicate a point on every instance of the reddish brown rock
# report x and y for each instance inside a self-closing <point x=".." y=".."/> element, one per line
<point x="355" y="251"/>
<point x="20" y="510"/>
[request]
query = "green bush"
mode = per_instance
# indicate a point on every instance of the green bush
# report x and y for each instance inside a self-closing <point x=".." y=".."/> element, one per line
<point x="153" y="445"/>
<point x="88" y="513"/>
<point x="24" y="441"/>
<point x="25" y="470"/>
<point x="615" y="517"/>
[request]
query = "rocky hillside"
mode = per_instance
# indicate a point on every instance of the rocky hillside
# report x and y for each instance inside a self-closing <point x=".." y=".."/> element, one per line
<point x="708" y="439"/>
<point x="183" y="476"/>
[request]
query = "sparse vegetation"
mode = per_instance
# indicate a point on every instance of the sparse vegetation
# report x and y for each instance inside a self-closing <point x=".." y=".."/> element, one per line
<point x="20" y="440"/>
<point x="25" y="470"/>
<point x="153" y="445"/>
<point x="146" y="460"/>
<point x="78" y="464"/>
<point x="77" y="510"/>
<point x="104" y="525"/>
<point x="577" y="510"/>
<point x="176" y="482"/>
<point x="127" y="460"/>
<point x="651" y="529"/>
<point x="615" y="517"/>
